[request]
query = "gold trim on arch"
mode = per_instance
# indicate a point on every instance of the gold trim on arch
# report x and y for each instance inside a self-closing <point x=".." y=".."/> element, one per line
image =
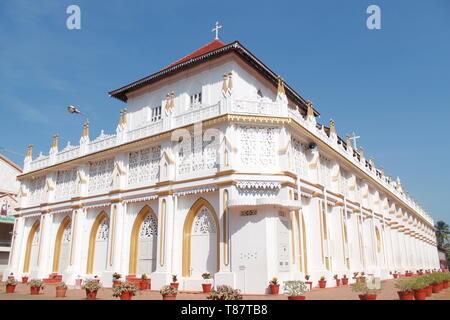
<point x="377" y="234"/>
<point x="26" y="265"/>
<point x="59" y="235"/>
<point x="225" y="228"/>
<point x="162" y="233"/>
<point x="187" y="230"/>
<point x="134" y="243"/>
<point x="91" y="253"/>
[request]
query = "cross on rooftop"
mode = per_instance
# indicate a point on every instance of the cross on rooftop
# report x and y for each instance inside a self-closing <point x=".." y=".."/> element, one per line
<point x="216" y="29"/>
<point x="354" y="138"/>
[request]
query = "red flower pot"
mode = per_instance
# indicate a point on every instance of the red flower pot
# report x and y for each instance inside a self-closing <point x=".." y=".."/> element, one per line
<point x="206" y="287"/>
<point x="296" y="298"/>
<point x="368" y="297"/>
<point x="35" y="290"/>
<point x="420" y="294"/>
<point x="169" y="297"/>
<point x="91" y="295"/>
<point x="436" y="288"/>
<point x="322" y="284"/>
<point x="274" y="288"/>
<point x="10" y="289"/>
<point x="24" y="279"/>
<point x="344" y="281"/>
<point x="429" y="290"/>
<point x="126" y="295"/>
<point x="405" y="295"/>
<point x="175" y="285"/>
<point x="61" y="292"/>
<point x="144" y="284"/>
<point x="445" y="284"/>
<point x="338" y="282"/>
<point x="395" y="275"/>
<point x="420" y="273"/>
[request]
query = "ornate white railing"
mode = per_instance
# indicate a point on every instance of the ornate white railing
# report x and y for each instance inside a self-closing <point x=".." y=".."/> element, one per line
<point x="196" y="115"/>
<point x="145" y="131"/>
<point x="257" y="107"/>
<point x="68" y="153"/>
<point x="40" y="162"/>
<point x="104" y="141"/>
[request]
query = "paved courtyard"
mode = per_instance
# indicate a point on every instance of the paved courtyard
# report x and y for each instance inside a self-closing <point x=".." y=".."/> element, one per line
<point x="341" y="293"/>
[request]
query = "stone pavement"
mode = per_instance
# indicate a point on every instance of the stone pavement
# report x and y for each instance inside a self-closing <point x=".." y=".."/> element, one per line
<point x="341" y="293"/>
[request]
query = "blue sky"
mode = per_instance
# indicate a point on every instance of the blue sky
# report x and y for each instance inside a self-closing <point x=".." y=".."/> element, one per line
<point x="391" y="86"/>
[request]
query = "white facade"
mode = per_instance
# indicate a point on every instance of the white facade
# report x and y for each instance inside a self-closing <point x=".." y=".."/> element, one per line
<point x="9" y="187"/>
<point x="249" y="199"/>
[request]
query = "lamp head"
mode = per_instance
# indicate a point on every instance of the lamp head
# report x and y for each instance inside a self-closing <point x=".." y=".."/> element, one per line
<point x="72" y="109"/>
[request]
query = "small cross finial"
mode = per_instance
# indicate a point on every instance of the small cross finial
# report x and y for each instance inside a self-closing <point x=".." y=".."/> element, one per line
<point x="354" y="138"/>
<point x="216" y="29"/>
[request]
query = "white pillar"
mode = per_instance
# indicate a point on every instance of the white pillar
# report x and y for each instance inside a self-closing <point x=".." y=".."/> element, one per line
<point x="166" y="216"/>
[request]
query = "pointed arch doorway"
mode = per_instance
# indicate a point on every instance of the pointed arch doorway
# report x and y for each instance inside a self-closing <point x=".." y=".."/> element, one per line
<point x="201" y="240"/>
<point x="61" y="256"/>
<point x="98" y="245"/>
<point x="143" y="243"/>
<point x="32" y="249"/>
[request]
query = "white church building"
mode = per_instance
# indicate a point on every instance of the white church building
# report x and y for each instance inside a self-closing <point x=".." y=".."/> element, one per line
<point x="217" y="165"/>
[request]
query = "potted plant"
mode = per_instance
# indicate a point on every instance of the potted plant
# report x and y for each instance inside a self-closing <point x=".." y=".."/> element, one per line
<point x="446" y="277"/>
<point x="420" y="272"/>
<point x="338" y="281"/>
<point x="308" y="282"/>
<point x="78" y="282"/>
<point x="366" y="293"/>
<point x="406" y="291"/>
<point x="435" y="282"/>
<point x="344" y="280"/>
<point x="10" y="285"/>
<point x="395" y="274"/>
<point x="322" y="282"/>
<point x="116" y="279"/>
<point x="169" y="292"/>
<point x="274" y="286"/>
<point x="418" y="285"/>
<point x="206" y="286"/>
<point x="225" y="293"/>
<point x="61" y="290"/>
<point x="25" y="279"/>
<point x="295" y="290"/>
<point x="429" y="287"/>
<point x="125" y="290"/>
<point x="35" y="286"/>
<point x="174" y="281"/>
<point x="144" y="284"/>
<point x="91" y="286"/>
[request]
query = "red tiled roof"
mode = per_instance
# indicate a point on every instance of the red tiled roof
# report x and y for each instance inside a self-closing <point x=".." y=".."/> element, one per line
<point x="213" y="45"/>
